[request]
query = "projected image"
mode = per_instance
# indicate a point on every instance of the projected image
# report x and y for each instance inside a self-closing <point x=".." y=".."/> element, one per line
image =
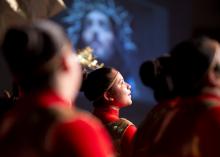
<point x="101" y="25"/>
<point x="112" y="29"/>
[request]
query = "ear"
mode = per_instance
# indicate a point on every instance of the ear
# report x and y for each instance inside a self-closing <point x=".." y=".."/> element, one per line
<point x="66" y="61"/>
<point x="108" y="97"/>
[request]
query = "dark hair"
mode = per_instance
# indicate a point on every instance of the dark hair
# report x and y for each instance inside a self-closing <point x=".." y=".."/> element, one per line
<point x="28" y="48"/>
<point x="97" y="82"/>
<point x="192" y="60"/>
<point x="181" y="73"/>
<point x="156" y="74"/>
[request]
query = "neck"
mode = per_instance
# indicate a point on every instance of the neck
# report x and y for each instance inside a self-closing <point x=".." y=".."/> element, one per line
<point x="114" y="108"/>
<point x="62" y="88"/>
<point x="109" y="108"/>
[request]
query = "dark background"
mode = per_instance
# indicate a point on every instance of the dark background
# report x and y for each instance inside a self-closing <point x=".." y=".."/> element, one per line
<point x="158" y="25"/>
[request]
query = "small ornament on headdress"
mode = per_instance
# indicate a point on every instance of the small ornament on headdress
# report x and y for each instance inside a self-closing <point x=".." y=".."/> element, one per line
<point x="88" y="60"/>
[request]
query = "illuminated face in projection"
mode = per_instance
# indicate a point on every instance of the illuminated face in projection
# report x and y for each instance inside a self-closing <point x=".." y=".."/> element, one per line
<point x="98" y="34"/>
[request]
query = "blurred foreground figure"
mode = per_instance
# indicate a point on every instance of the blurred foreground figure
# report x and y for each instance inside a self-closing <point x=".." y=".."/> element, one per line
<point x="43" y="121"/>
<point x="187" y="124"/>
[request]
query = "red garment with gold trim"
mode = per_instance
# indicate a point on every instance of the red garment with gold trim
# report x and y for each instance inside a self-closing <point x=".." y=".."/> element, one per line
<point x="121" y="129"/>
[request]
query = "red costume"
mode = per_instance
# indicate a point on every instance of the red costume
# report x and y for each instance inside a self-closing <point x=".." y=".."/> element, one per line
<point x="45" y="125"/>
<point x="181" y="128"/>
<point x="121" y="129"/>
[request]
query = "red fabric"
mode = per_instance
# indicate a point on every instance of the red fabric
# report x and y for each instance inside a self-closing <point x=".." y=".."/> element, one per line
<point x="82" y="135"/>
<point x="106" y="114"/>
<point x="85" y="136"/>
<point x="50" y="98"/>
<point x="109" y="114"/>
<point x="127" y="141"/>
<point x="188" y="128"/>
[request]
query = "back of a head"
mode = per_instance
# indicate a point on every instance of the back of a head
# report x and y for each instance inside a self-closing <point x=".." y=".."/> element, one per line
<point x="97" y="82"/>
<point x="29" y="50"/>
<point x="191" y="60"/>
<point x="156" y="75"/>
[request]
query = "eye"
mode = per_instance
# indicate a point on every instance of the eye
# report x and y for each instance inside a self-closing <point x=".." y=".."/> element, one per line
<point x="122" y="82"/>
<point x="88" y="23"/>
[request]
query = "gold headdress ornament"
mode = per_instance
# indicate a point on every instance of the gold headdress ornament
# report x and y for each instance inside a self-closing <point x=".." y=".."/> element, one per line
<point x="88" y="60"/>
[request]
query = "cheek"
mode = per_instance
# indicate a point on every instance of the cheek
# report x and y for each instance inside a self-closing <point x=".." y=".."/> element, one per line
<point x="126" y="100"/>
<point x="87" y="36"/>
<point x="122" y="98"/>
<point x="108" y="37"/>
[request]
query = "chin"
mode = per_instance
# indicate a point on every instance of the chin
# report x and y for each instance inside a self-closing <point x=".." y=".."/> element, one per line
<point x="129" y="103"/>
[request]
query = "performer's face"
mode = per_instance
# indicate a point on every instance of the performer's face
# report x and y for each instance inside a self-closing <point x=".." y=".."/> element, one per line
<point x="98" y="34"/>
<point x="121" y="92"/>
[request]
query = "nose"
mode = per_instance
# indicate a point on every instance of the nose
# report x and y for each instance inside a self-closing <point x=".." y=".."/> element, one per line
<point x="95" y="36"/>
<point x="128" y="85"/>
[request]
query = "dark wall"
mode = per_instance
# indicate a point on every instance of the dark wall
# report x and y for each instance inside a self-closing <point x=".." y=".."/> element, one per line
<point x="5" y="77"/>
<point x="180" y="19"/>
<point x="190" y="17"/>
